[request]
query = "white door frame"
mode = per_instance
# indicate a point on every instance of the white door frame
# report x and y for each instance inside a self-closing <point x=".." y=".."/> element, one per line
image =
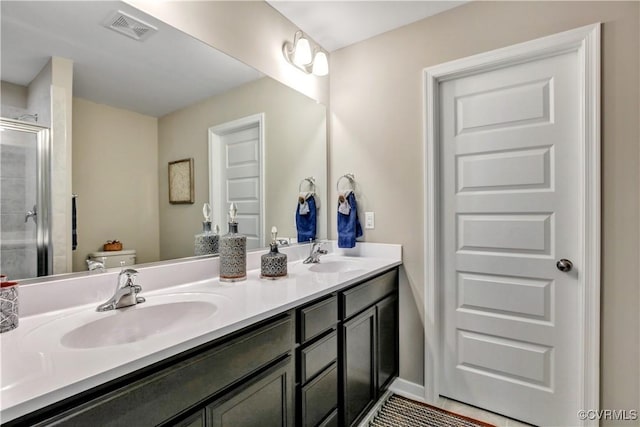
<point x="215" y="140"/>
<point x="585" y="41"/>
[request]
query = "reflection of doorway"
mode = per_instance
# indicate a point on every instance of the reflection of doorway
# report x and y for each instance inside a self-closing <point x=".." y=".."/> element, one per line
<point x="236" y="175"/>
<point x="25" y="249"/>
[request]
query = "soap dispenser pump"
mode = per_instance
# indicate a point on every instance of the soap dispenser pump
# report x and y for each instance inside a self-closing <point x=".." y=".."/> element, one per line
<point x="233" y="251"/>
<point x="207" y="242"/>
<point x="273" y="265"/>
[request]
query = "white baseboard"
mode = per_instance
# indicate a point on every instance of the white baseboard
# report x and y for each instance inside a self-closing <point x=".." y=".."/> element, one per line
<point x="408" y="389"/>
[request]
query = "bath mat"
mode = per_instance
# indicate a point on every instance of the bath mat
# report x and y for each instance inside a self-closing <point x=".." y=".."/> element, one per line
<point x="401" y="412"/>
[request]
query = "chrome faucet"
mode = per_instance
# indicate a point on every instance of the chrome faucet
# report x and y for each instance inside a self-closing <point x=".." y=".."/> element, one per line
<point x="126" y="293"/>
<point x="317" y="249"/>
<point x="93" y="265"/>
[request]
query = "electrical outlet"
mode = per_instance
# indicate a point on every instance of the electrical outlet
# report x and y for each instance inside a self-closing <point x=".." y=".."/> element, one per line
<point x="369" y="220"/>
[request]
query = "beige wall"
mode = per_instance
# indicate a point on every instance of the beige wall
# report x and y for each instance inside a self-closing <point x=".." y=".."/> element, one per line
<point x="250" y="31"/>
<point x="14" y="95"/>
<point x="295" y="147"/>
<point x="115" y="174"/>
<point x="376" y="131"/>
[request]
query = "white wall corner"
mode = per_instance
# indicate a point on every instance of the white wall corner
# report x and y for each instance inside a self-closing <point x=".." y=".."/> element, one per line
<point x="408" y="389"/>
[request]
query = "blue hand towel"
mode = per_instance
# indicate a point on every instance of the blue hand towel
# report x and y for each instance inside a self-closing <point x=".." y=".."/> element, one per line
<point x="349" y="228"/>
<point x="306" y="223"/>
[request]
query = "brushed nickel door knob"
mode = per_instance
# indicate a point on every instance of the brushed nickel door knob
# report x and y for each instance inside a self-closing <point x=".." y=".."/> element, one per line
<point x="564" y="265"/>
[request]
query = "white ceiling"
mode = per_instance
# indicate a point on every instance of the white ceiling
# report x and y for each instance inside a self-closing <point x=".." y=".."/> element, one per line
<point x="336" y="24"/>
<point x="170" y="69"/>
<point x="166" y="72"/>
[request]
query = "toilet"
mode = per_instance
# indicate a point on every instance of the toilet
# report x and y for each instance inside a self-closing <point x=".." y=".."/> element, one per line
<point x="114" y="258"/>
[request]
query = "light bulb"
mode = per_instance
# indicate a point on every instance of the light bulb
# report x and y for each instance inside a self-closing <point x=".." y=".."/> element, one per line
<point x="320" y="64"/>
<point x="302" y="52"/>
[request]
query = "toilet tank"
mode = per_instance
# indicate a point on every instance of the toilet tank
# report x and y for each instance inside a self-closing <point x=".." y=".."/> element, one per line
<point x="114" y="258"/>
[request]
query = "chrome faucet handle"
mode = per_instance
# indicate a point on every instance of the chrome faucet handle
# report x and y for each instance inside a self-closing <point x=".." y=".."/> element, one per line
<point x="94" y="265"/>
<point x="318" y="247"/>
<point x="129" y="277"/>
<point x="316" y="251"/>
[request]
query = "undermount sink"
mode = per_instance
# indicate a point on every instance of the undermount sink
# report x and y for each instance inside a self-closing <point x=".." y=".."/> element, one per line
<point x="160" y="314"/>
<point x="138" y="322"/>
<point x="335" y="266"/>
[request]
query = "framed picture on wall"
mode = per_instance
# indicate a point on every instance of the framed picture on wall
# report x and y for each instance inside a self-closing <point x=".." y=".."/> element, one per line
<point x="181" y="181"/>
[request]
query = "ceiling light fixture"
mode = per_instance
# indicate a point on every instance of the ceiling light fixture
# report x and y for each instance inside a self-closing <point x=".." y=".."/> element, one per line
<point x="299" y="55"/>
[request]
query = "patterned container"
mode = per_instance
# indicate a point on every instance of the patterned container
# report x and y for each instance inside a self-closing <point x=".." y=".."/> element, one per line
<point x="233" y="255"/>
<point x="273" y="265"/>
<point x="8" y="306"/>
<point x="206" y="243"/>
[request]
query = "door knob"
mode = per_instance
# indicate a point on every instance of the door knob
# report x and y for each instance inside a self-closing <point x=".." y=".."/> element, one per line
<point x="564" y="265"/>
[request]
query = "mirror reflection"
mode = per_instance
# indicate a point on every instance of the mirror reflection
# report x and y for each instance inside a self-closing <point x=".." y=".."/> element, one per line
<point x="120" y="109"/>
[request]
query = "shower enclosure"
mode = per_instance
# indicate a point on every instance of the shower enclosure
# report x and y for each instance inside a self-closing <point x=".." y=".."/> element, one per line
<point x="25" y="248"/>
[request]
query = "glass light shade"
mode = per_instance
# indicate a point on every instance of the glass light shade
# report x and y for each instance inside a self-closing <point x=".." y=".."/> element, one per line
<point x="302" y="52"/>
<point x="320" y="64"/>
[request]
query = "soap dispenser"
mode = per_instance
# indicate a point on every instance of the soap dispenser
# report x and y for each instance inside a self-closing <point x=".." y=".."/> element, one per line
<point x="207" y="242"/>
<point x="233" y="251"/>
<point x="273" y="265"/>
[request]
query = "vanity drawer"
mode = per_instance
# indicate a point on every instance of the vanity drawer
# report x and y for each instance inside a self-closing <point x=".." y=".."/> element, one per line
<point x="318" y="356"/>
<point x="319" y="397"/>
<point x="318" y="318"/>
<point x="362" y="296"/>
<point x="159" y="396"/>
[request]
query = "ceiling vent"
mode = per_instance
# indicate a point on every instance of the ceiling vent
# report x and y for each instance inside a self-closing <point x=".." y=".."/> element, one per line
<point x="129" y="26"/>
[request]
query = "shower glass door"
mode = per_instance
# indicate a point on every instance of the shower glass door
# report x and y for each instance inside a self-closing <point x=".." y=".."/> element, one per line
<point x="24" y="200"/>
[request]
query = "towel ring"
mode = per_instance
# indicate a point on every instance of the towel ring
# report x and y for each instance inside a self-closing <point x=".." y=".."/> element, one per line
<point x="348" y="176"/>
<point x="312" y="184"/>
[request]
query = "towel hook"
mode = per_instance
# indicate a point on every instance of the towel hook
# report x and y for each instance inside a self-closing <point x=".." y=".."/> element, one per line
<point x="312" y="184"/>
<point x="350" y="177"/>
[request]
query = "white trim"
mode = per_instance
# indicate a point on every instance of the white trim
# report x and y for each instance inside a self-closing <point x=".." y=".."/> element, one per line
<point x="215" y="137"/>
<point x="408" y="389"/>
<point x="586" y="41"/>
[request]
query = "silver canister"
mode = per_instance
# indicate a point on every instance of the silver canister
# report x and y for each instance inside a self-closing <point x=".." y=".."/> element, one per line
<point x="9" y="317"/>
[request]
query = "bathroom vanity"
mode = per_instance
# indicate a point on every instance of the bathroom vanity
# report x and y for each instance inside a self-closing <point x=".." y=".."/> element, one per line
<point x="317" y="348"/>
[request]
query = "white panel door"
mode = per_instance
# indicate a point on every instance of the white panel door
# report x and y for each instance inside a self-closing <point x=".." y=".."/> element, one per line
<point x="240" y="179"/>
<point x="509" y="211"/>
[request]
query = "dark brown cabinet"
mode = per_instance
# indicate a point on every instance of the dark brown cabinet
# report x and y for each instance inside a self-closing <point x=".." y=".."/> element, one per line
<point x="359" y="371"/>
<point x="323" y="364"/>
<point x="387" y="337"/>
<point x="317" y="371"/>
<point x="199" y="419"/>
<point x="369" y="344"/>
<point x="264" y="401"/>
<point x="175" y="392"/>
<point x="348" y="352"/>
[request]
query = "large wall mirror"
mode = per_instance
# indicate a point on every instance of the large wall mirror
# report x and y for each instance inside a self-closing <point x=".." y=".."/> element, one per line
<point x="142" y="98"/>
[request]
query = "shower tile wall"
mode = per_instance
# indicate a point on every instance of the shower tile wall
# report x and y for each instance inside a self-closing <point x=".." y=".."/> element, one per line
<point x="18" y="257"/>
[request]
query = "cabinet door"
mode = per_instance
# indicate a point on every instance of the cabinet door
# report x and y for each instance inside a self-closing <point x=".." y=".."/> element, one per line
<point x="196" y="420"/>
<point x="387" y="334"/>
<point x="265" y="401"/>
<point x="358" y="358"/>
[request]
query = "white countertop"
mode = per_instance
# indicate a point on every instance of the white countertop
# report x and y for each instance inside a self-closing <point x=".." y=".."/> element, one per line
<point x="38" y="370"/>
